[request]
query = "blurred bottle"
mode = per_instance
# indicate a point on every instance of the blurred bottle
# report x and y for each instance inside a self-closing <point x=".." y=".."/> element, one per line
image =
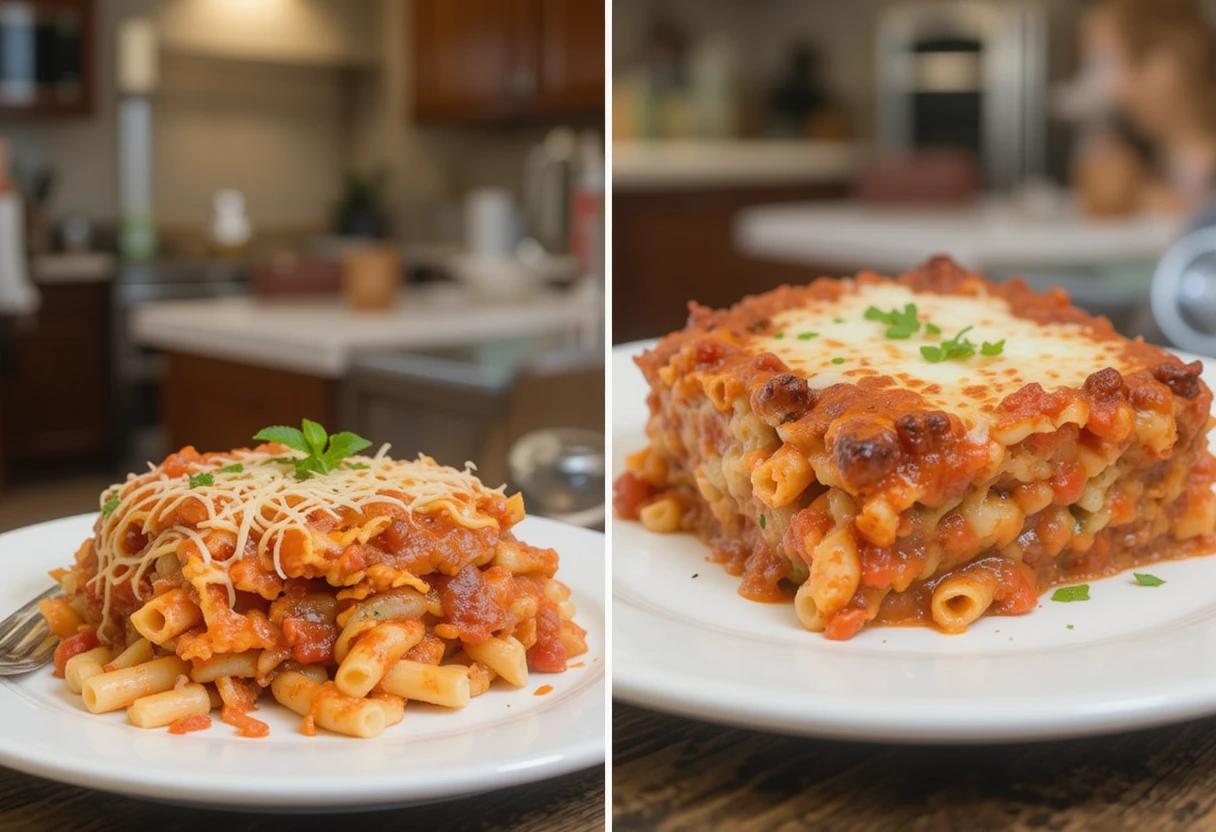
<point x="713" y="70"/>
<point x="230" y="226"/>
<point x="17" y="294"/>
<point x="587" y="209"/>
<point x="800" y="106"/>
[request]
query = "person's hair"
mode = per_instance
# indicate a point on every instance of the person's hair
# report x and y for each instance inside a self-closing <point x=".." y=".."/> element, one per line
<point x="1181" y="27"/>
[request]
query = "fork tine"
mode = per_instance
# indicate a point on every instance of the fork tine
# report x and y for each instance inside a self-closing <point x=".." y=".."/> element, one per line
<point x="25" y="642"/>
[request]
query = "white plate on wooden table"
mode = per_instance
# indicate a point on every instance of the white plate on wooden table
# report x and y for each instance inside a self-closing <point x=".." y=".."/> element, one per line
<point x="505" y="737"/>
<point x="685" y="642"/>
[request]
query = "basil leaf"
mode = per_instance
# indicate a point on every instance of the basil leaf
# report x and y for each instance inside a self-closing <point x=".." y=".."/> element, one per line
<point x="109" y="505"/>
<point x="283" y="435"/>
<point x="315" y="436"/>
<point x="203" y="478"/>
<point x="1144" y="579"/>
<point x="344" y="444"/>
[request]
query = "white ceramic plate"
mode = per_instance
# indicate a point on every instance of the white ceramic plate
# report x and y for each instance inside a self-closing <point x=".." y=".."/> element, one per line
<point x="503" y="738"/>
<point x="685" y="642"/>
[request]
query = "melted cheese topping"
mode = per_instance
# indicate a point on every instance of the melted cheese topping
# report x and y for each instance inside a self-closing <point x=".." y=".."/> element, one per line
<point x="1053" y="354"/>
<point x="261" y="503"/>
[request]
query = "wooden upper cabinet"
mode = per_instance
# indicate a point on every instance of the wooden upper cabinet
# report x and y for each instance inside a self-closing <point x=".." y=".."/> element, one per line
<point x="507" y="60"/>
<point x="571" y="56"/>
<point x="47" y="57"/>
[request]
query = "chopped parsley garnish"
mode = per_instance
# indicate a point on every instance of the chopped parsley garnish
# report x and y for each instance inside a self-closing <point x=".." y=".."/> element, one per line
<point x="838" y="360"/>
<point x="956" y="347"/>
<point x="234" y="468"/>
<point x="1068" y="594"/>
<point x="1069" y="626"/>
<point x="762" y="521"/>
<point x="837" y="320"/>
<point x="1145" y="579"/>
<point x="358" y="466"/>
<point x="933" y="329"/>
<point x="806" y="336"/>
<point x="778" y="334"/>
<point x="900" y="324"/>
<point x="110" y="504"/>
<point x="323" y="450"/>
<point x="993" y="347"/>
<point x="203" y="478"/>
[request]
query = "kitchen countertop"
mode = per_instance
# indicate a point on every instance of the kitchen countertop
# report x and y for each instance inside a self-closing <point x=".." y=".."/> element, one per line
<point x="990" y="236"/>
<point x="82" y="267"/>
<point x="318" y="336"/>
<point x="691" y="164"/>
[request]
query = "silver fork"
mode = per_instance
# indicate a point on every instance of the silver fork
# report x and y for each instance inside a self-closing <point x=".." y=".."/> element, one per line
<point x="25" y="642"/>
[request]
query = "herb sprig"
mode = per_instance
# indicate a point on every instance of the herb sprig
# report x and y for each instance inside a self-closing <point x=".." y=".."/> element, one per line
<point x="323" y="450"/>
<point x="900" y="324"/>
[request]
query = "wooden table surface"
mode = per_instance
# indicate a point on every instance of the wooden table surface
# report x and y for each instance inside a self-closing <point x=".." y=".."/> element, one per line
<point x="673" y="774"/>
<point x="573" y="803"/>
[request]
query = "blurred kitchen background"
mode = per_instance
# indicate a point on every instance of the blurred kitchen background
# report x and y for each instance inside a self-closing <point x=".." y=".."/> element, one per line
<point x="768" y="142"/>
<point x="385" y="215"/>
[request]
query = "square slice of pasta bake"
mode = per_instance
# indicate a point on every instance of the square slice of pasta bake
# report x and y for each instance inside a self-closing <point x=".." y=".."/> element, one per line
<point x="923" y="449"/>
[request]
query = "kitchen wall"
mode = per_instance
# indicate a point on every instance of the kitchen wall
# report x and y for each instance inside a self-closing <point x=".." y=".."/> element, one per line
<point x="278" y="98"/>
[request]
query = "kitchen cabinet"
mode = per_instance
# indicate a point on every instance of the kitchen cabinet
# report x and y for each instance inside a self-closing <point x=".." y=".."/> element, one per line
<point x="671" y="246"/>
<point x="210" y="403"/>
<point x="48" y="51"/>
<point x="507" y="60"/>
<point x="53" y="371"/>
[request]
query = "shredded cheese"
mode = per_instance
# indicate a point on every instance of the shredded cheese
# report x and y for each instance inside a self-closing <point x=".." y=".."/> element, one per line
<point x="256" y="507"/>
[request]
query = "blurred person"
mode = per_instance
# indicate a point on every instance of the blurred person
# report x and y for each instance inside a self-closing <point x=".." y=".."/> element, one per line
<point x="1148" y="87"/>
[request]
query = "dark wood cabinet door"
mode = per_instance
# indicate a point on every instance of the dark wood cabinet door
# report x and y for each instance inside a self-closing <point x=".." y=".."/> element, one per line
<point x="571" y="68"/>
<point x="53" y="380"/>
<point x="465" y="58"/>
<point x="507" y="60"/>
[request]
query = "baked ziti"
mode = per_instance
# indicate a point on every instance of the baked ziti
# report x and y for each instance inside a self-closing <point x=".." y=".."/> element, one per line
<point x="345" y="585"/>
<point x="925" y="449"/>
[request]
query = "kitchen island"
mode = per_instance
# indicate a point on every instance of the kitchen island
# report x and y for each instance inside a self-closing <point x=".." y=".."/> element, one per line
<point x="237" y="364"/>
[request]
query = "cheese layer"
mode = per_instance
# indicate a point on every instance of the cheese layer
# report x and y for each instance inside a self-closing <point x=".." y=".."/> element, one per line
<point x="813" y="337"/>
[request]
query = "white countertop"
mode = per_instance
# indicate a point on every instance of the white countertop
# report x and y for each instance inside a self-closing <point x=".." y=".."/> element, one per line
<point x="993" y="235"/>
<point x="318" y="336"/>
<point x="689" y="164"/>
<point x="81" y="267"/>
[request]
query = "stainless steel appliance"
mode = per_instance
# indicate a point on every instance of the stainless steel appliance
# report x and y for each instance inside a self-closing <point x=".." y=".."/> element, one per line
<point x="136" y="371"/>
<point x="968" y="75"/>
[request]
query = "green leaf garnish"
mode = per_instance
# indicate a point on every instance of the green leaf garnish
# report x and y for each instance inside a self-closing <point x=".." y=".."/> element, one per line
<point x="837" y="320"/>
<point x="778" y="334"/>
<point x="837" y="360"/>
<point x="283" y="435"/>
<point x="234" y="468"/>
<point x="900" y="324"/>
<point x="315" y="436"/>
<point x="933" y="329"/>
<point x="358" y="466"/>
<point x="762" y="521"/>
<point x="1068" y="594"/>
<point x="1144" y="579"/>
<point x="806" y="336"/>
<point x="203" y="478"/>
<point x="1069" y="626"/>
<point x="110" y="504"/>
<point x="956" y="347"/>
<point x="323" y="451"/>
<point x="993" y="347"/>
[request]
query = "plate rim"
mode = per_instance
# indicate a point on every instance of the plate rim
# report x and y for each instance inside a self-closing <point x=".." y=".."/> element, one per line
<point x="276" y="791"/>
